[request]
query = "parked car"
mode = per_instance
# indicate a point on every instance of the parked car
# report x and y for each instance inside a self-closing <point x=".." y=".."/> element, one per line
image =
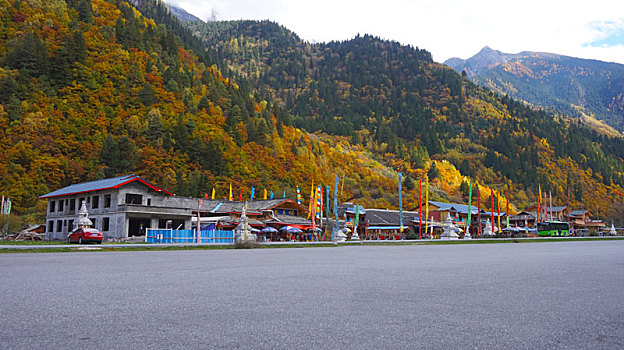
<point x="85" y="235"/>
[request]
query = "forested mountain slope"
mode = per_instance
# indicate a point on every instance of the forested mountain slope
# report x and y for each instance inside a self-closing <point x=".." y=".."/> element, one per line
<point x="90" y="89"/>
<point x="398" y="103"/>
<point x="578" y="87"/>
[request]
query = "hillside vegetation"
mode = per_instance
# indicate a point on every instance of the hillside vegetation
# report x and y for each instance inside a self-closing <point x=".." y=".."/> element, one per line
<point x="91" y="89"/>
<point x="96" y="89"/>
<point x="397" y="103"/>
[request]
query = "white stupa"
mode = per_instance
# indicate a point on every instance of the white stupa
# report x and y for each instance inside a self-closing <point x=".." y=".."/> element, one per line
<point x="467" y="234"/>
<point x="243" y="232"/>
<point x="488" y="231"/>
<point x="612" y="231"/>
<point x="340" y="236"/>
<point x="450" y="230"/>
<point x="355" y="236"/>
<point x="83" y="217"/>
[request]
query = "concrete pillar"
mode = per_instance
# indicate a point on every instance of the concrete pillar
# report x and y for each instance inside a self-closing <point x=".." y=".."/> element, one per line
<point x="126" y="229"/>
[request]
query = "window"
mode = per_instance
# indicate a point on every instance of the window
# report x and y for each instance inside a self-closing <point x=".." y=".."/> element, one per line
<point x="50" y="226"/>
<point x="59" y="226"/>
<point x="149" y="201"/>
<point x="107" y="201"/>
<point x="95" y="202"/>
<point x="134" y="198"/>
<point x="52" y="206"/>
<point x="72" y="205"/>
<point x="105" y="224"/>
<point x="70" y="225"/>
<point x="61" y="205"/>
<point x="93" y="221"/>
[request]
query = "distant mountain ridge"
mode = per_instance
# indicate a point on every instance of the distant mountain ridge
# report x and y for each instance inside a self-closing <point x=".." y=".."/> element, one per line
<point x="579" y="87"/>
<point x="182" y="15"/>
<point x="399" y="105"/>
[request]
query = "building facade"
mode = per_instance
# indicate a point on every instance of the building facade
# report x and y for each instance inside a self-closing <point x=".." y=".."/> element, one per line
<point x="118" y="207"/>
<point x="128" y="205"/>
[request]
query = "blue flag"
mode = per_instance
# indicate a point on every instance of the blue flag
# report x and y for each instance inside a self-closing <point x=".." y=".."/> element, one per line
<point x="253" y="191"/>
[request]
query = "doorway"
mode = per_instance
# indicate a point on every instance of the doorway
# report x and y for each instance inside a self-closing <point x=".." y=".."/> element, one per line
<point x="138" y="226"/>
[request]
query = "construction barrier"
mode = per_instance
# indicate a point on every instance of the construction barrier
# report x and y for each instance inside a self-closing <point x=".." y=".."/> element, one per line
<point x="188" y="236"/>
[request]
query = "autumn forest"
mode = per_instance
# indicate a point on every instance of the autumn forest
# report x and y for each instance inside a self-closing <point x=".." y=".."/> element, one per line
<point x="94" y="89"/>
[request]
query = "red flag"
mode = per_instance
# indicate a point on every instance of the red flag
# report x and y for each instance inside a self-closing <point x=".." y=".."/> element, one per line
<point x="420" y="212"/>
<point x="240" y="197"/>
<point x="492" y="204"/>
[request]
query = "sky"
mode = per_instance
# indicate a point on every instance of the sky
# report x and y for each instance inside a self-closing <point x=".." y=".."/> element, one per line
<point x="446" y="28"/>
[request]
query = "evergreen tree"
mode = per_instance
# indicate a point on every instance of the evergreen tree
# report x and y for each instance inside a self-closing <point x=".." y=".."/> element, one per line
<point x="408" y="183"/>
<point x="119" y="156"/>
<point x="85" y="11"/>
<point x="433" y="171"/>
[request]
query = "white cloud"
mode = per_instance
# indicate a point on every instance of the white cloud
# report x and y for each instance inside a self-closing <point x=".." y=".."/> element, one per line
<point x="446" y="28"/>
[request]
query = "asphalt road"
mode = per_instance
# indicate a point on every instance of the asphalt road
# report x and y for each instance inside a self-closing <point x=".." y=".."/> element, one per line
<point x="562" y="295"/>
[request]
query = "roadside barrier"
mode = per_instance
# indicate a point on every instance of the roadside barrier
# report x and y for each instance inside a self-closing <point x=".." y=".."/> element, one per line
<point x="188" y="236"/>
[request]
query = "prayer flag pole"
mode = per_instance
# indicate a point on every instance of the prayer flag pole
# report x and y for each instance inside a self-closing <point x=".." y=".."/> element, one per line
<point x="427" y="204"/>
<point x="420" y="212"/>
<point x="479" y="209"/>
<point x="335" y="208"/>
<point x="469" y="209"/>
<point x="400" y="205"/>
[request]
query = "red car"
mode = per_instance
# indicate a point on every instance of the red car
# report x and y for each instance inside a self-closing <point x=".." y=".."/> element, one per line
<point x="85" y="235"/>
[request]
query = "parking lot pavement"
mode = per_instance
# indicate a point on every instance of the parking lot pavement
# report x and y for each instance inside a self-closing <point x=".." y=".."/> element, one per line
<point x="520" y="296"/>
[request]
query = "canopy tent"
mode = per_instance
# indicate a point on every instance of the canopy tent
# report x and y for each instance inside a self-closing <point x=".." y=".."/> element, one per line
<point x="290" y="229"/>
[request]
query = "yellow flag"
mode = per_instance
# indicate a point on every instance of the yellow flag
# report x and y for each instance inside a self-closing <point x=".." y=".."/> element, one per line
<point x="311" y="206"/>
<point x="265" y="194"/>
<point x="230" y="193"/>
<point x="213" y="193"/>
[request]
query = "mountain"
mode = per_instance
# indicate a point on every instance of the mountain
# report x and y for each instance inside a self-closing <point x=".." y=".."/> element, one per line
<point x="95" y="89"/>
<point x="92" y="89"/>
<point x="587" y="89"/>
<point x="396" y="102"/>
<point x="182" y="15"/>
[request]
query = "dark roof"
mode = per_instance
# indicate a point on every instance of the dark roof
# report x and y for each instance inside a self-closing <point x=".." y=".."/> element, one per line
<point x="350" y="208"/>
<point x="257" y="206"/>
<point x="381" y="217"/>
<point x="290" y="220"/>
<point x="104" y="184"/>
<point x="524" y="215"/>
<point x="578" y="212"/>
<point x="459" y="208"/>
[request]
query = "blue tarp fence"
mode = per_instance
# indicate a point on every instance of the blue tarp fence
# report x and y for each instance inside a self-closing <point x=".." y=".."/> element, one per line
<point x="188" y="236"/>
